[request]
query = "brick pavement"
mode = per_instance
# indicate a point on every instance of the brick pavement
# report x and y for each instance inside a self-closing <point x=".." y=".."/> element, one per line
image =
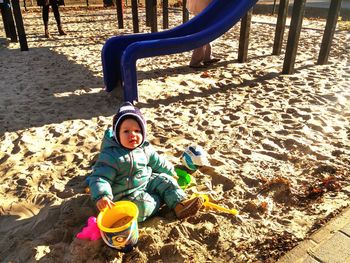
<point x="330" y="244"/>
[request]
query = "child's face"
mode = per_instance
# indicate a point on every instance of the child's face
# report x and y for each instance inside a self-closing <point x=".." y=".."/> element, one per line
<point x="130" y="134"/>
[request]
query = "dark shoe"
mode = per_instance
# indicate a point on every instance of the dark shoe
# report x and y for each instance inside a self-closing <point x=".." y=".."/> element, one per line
<point x="61" y="31"/>
<point x="188" y="207"/>
<point x="198" y="66"/>
<point x="211" y="61"/>
<point x="47" y="33"/>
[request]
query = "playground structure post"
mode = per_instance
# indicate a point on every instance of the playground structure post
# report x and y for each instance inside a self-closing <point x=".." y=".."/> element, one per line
<point x="274" y="7"/>
<point x="280" y="26"/>
<point x="185" y="14"/>
<point x="329" y="32"/>
<point x="119" y="6"/>
<point x="165" y="14"/>
<point x="7" y="18"/>
<point x="135" y="16"/>
<point x="19" y="24"/>
<point x="148" y="14"/>
<point x="153" y="13"/>
<point x="244" y="37"/>
<point x="293" y="36"/>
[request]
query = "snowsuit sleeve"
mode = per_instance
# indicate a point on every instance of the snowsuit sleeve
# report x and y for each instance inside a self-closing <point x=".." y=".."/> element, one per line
<point x="157" y="162"/>
<point x="102" y="177"/>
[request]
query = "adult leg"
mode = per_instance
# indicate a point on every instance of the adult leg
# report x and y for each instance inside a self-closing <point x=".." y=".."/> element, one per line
<point x="207" y="56"/>
<point x="45" y="15"/>
<point x="197" y="57"/>
<point x="207" y="52"/>
<point x="56" y="13"/>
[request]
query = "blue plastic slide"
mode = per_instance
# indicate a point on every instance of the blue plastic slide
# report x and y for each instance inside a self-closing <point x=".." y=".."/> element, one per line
<point x="120" y="53"/>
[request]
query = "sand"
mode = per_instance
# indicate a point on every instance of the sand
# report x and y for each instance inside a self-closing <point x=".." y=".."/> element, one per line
<point x="278" y="145"/>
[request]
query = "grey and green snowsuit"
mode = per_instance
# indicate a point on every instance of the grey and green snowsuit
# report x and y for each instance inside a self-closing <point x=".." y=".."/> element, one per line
<point x="140" y="175"/>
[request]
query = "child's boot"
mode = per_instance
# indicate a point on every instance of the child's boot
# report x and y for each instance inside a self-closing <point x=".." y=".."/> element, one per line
<point x="61" y="31"/>
<point x="188" y="207"/>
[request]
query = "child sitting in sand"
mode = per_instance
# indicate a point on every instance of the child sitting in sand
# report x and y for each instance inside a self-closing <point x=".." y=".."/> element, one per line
<point x="128" y="168"/>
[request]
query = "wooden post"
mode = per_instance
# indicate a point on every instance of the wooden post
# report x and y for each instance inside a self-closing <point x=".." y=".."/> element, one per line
<point x="329" y="32"/>
<point x="165" y="14"/>
<point x="148" y="12"/>
<point x="273" y="7"/>
<point x="19" y="24"/>
<point x="154" y="21"/>
<point x="244" y="37"/>
<point x="280" y="26"/>
<point x="293" y="36"/>
<point x="185" y="13"/>
<point x="119" y="6"/>
<point x="135" y="16"/>
<point x="9" y="23"/>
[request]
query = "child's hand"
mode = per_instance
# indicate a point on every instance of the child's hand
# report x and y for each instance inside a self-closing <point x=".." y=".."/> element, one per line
<point x="104" y="202"/>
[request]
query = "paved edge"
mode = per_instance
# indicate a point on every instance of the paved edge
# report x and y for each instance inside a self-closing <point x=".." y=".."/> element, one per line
<point x="305" y="251"/>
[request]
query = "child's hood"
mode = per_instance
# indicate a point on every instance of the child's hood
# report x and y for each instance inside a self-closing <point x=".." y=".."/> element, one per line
<point x="108" y="140"/>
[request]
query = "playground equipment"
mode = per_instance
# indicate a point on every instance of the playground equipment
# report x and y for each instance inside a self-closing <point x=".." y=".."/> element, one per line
<point x="193" y="157"/>
<point x="114" y="68"/>
<point x="151" y="14"/>
<point x="120" y="53"/>
<point x="118" y="225"/>
<point x="184" y="179"/>
<point x="90" y="231"/>
<point x="211" y="205"/>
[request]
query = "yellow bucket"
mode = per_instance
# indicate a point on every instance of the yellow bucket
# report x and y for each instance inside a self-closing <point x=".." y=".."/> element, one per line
<point x="118" y="225"/>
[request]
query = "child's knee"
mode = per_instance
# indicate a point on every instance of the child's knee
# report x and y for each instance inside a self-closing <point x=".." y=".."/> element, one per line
<point x="147" y="205"/>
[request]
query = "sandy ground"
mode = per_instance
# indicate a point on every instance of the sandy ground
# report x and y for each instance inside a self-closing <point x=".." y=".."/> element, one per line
<point x="278" y="145"/>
